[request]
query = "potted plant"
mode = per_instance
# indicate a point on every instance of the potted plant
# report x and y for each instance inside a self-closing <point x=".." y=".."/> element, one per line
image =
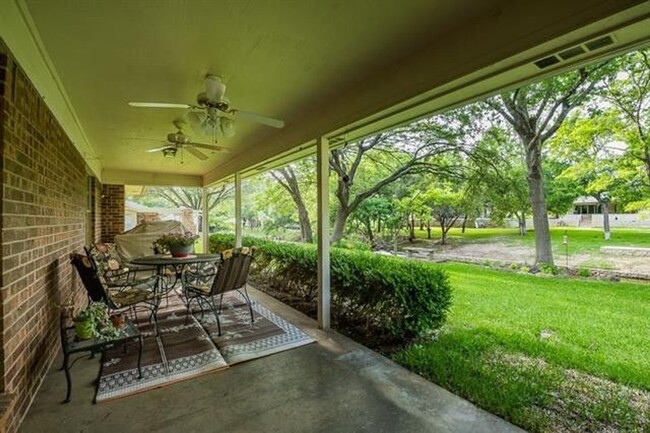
<point x="86" y="321"/>
<point x="177" y="244"/>
<point x="95" y="322"/>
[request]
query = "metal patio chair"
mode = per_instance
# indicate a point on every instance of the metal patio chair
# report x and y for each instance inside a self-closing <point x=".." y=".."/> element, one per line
<point x="130" y="294"/>
<point x="110" y="267"/>
<point x="205" y="282"/>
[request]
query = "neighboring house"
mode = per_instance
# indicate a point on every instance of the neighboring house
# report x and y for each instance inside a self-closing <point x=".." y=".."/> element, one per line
<point x="136" y="213"/>
<point x="587" y="205"/>
<point x="588" y="213"/>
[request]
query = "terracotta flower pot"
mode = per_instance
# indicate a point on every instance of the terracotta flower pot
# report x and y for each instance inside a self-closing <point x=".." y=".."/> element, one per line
<point x="181" y="250"/>
<point x="117" y="320"/>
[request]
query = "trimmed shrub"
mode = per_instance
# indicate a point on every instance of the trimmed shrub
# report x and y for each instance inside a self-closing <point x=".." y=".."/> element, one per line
<point x="548" y="269"/>
<point x="584" y="272"/>
<point x="401" y="298"/>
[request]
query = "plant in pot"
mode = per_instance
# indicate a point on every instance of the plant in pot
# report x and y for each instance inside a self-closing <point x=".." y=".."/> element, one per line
<point x="177" y="244"/>
<point x="95" y="322"/>
<point x="87" y="320"/>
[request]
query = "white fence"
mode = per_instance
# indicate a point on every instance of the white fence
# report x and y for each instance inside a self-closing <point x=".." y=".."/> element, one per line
<point x="620" y="220"/>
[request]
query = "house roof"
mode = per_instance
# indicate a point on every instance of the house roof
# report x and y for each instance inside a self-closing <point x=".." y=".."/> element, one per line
<point x="132" y="206"/>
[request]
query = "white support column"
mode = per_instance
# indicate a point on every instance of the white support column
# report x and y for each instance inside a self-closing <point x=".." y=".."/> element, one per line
<point x="205" y="216"/>
<point x="238" y="226"/>
<point x="323" y="196"/>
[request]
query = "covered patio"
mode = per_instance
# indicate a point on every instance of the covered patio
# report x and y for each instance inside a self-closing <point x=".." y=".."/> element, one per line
<point x="334" y="385"/>
<point x="331" y="72"/>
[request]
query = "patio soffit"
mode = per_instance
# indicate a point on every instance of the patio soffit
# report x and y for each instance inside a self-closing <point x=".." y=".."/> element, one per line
<point x="325" y="68"/>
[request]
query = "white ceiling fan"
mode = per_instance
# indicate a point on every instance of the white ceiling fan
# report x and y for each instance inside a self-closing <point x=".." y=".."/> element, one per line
<point x="180" y="141"/>
<point x="212" y="111"/>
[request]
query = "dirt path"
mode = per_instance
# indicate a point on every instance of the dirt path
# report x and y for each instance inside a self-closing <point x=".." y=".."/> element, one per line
<point x="499" y="250"/>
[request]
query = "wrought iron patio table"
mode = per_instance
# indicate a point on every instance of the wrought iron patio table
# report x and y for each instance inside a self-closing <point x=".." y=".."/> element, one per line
<point x="163" y="261"/>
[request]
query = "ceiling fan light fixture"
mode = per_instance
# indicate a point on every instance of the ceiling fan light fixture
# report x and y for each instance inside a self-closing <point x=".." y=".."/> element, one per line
<point x="169" y="152"/>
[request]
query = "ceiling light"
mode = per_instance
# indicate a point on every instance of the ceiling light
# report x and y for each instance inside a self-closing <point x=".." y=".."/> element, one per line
<point x="170" y="152"/>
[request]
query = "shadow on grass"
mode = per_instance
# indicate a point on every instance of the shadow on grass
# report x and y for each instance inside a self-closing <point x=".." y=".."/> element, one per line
<point x="528" y="391"/>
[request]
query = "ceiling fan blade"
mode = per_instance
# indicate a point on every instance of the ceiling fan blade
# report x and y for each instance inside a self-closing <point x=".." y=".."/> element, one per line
<point x="254" y="117"/>
<point x="212" y="147"/>
<point x="156" y="149"/>
<point x="157" y="140"/>
<point x="197" y="153"/>
<point x="158" y="105"/>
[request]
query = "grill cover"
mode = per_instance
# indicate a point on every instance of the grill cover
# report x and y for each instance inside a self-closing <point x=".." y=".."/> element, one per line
<point x="138" y="241"/>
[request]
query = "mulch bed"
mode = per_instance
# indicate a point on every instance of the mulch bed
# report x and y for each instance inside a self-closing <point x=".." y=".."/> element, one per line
<point x="346" y="325"/>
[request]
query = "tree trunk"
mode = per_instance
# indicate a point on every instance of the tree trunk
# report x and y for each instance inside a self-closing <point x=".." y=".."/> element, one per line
<point x="368" y="225"/>
<point x="443" y="238"/>
<point x="421" y="224"/>
<point x="287" y="179"/>
<point x="543" y="250"/>
<point x="339" y="224"/>
<point x="428" y="229"/>
<point x="464" y="223"/>
<point x="412" y="229"/>
<point x="306" y="233"/>
<point x="521" y="220"/>
<point x="606" y="229"/>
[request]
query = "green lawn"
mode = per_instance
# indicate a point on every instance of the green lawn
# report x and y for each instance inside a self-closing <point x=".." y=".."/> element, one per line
<point x="533" y="350"/>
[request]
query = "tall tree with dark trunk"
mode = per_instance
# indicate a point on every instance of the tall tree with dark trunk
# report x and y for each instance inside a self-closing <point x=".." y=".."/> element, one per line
<point x="286" y="177"/>
<point x="535" y="112"/>
<point x="422" y="147"/>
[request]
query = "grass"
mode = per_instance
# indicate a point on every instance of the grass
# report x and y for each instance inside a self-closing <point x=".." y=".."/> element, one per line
<point x="542" y="352"/>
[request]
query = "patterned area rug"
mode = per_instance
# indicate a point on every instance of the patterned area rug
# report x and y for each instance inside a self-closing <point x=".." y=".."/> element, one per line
<point x="188" y="347"/>
<point x="242" y="340"/>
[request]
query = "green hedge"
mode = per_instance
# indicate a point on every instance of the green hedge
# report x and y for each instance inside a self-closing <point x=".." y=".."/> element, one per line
<point x="402" y="298"/>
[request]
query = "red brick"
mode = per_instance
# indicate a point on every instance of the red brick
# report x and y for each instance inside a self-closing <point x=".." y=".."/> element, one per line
<point x="45" y="196"/>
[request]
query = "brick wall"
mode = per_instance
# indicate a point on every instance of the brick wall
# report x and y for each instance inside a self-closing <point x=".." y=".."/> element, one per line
<point x="96" y="219"/>
<point x="112" y="211"/>
<point x="147" y="217"/>
<point x="44" y="203"/>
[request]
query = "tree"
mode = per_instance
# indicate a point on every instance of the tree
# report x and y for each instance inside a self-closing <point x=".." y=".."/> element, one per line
<point x="287" y="178"/>
<point x="535" y="112"/>
<point x="446" y="206"/>
<point x="592" y="156"/>
<point x="413" y="207"/>
<point x="386" y="157"/>
<point x="629" y="92"/>
<point x="370" y="215"/>
<point x="500" y="177"/>
<point x="191" y="197"/>
<point x="560" y="192"/>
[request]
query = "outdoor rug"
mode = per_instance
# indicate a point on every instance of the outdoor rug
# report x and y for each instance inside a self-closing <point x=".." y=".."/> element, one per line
<point x="242" y="340"/>
<point x="190" y="347"/>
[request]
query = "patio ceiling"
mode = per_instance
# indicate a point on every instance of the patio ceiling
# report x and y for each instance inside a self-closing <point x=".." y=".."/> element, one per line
<point x="333" y="68"/>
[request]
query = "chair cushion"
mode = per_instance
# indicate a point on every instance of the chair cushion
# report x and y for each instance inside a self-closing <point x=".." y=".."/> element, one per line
<point x="128" y="278"/>
<point x="227" y="254"/>
<point x="125" y="298"/>
<point x="202" y="289"/>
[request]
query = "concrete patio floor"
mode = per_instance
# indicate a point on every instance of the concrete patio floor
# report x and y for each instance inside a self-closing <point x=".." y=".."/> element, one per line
<point x="333" y="385"/>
